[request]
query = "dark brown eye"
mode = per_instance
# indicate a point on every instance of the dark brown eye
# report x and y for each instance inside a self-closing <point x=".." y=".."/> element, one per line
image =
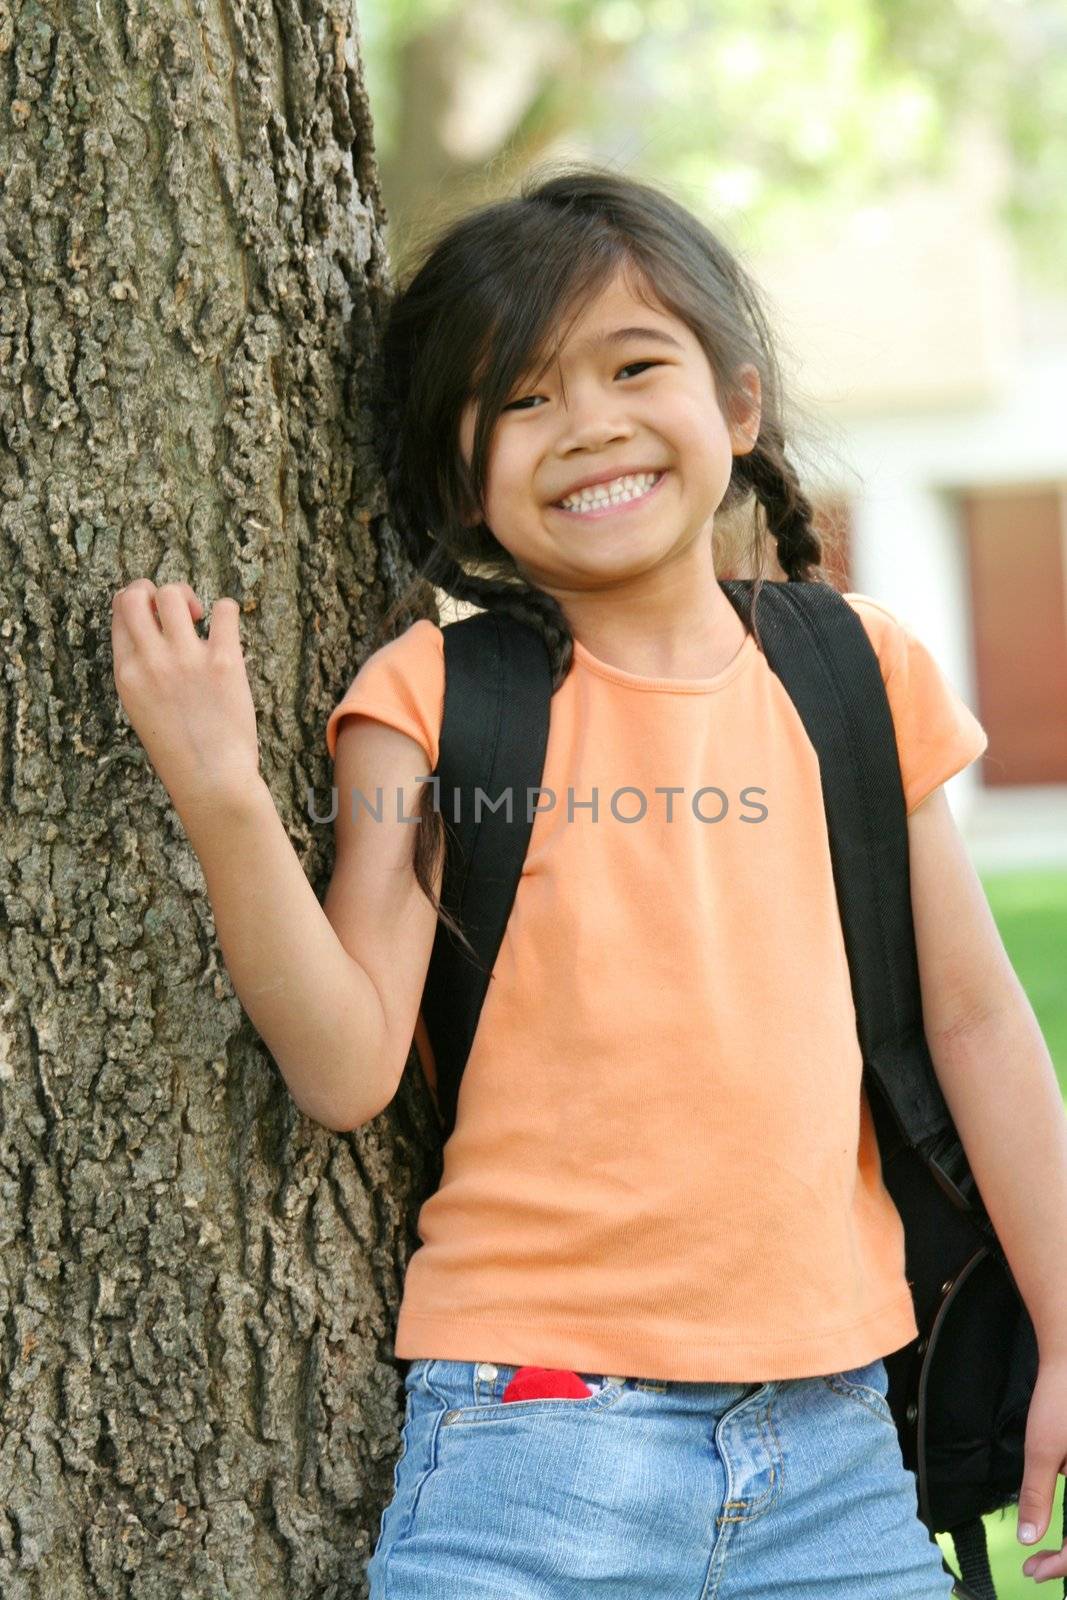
<point x="513" y="404"/>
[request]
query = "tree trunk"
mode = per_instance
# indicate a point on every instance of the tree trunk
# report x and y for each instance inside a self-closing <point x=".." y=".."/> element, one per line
<point x="199" y="1285"/>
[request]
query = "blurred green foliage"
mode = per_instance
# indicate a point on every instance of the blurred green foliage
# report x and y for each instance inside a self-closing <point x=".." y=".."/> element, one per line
<point x="776" y="113"/>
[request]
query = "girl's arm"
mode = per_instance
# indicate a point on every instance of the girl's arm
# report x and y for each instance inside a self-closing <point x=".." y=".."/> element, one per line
<point x="314" y="1007"/>
<point x="1000" y="1085"/>
<point x="992" y="1063"/>
<point x="333" y="990"/>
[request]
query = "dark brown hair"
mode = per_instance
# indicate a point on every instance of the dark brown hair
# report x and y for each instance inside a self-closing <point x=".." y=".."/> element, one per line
<point x="482" y="306"/>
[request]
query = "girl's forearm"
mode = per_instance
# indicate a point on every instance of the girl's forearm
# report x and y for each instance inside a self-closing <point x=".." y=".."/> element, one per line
<point x="312" y="1004"/>
<point x="1001" y="1088"/>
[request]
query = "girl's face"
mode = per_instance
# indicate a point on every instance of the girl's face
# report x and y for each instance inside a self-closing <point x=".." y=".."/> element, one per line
<point x="642" y="403"/>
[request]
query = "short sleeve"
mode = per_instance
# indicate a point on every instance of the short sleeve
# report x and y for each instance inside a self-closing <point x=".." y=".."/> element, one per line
<point x="937" y="733"/>
<point x="403" y="685"/>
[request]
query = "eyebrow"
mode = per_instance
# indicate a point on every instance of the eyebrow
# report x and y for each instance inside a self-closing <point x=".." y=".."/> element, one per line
<point x="623" y="335"/>
<point x="614" y="336"/>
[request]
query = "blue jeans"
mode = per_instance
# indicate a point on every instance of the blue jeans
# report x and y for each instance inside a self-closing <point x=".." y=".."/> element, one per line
<point x="793" y="1488"/>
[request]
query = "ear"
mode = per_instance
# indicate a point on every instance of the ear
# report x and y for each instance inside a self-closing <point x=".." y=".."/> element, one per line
<point x="469" y="512"/>
<point x="744" y="429"/>
<point x="470" y="516"/>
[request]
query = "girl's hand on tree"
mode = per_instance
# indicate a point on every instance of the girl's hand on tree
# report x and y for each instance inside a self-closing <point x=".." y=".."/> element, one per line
<point x="187" y="698"/>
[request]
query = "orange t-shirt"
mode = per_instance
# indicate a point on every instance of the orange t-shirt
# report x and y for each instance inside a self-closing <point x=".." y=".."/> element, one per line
<point x="663" y="1163"/>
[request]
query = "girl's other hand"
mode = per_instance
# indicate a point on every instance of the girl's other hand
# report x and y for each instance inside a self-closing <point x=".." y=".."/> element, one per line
<point x="1045" y="1450"/>
<point x="187" y="698"/>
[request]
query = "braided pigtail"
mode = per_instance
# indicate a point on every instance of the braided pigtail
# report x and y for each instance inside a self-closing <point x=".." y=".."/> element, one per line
<point x="789" y="515"/>
<point x="789" y="512"/>
<point x="437" y="566"/>
<point x="520" y="600"/>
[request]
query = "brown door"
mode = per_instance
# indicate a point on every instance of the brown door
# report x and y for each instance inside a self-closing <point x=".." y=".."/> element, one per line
<point x="1018" y="580"/>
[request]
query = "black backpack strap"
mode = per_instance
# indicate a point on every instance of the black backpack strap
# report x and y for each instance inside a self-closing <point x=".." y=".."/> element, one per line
<point x="972" y="1553"/>
<point x="494" y="734"/>
<point x="816" y="644"/>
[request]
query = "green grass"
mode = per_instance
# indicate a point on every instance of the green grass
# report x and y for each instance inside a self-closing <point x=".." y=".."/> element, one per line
<point x="1030" y="909"/>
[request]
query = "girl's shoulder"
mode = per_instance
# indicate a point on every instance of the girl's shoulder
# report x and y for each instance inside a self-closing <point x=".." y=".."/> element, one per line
<point x="888" y="633"/>
<point x="872" y="611"/>
<point x="417" y="653"/>
<point x="401" y="683"/>
<point x="419" y="638"/>
<point x="937" y="732"/>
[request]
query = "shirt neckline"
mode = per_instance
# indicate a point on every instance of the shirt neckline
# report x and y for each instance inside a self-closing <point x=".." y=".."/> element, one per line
<point x="634" y="680"/>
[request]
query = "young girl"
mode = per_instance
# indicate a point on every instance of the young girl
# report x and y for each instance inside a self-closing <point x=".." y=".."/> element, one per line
<point x="663" y="1182"/>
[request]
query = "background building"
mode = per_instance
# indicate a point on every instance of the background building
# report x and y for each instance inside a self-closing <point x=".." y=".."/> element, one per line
<point x="944" y="377"/>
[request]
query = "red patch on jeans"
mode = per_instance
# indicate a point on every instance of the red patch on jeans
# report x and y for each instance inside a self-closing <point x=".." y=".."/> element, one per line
<point x="546" y="1383"/>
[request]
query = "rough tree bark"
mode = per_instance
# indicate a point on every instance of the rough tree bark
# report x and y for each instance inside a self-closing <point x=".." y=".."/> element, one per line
<point x="198" y="1285"/>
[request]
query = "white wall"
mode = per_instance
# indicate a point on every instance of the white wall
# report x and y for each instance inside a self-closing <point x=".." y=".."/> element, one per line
<point x="911" y="337"/>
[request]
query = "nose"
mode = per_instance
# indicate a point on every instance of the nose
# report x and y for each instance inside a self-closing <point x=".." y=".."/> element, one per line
<point x="593" y="427"/>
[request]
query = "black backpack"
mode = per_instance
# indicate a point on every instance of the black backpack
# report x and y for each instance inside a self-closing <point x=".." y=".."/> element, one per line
<point x="961" y="1391"/>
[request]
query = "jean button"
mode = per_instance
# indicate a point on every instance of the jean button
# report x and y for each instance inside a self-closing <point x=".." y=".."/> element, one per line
<point x="486" y="1370"/>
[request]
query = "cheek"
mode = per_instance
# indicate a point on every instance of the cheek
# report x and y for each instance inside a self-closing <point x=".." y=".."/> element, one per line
<point x="708" y="438"/>
<point x="509" y="479"/>
<point x="701" y="420"/>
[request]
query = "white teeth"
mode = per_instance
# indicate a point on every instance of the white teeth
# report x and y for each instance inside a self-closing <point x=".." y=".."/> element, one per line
<point x="615" y="493"/>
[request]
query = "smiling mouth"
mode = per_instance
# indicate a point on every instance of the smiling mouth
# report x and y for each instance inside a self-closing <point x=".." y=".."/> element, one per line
<point x="609" y="509"/>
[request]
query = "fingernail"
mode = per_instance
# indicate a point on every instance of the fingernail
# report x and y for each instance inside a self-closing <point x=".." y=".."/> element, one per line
<point x="1027" y="1532"/>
